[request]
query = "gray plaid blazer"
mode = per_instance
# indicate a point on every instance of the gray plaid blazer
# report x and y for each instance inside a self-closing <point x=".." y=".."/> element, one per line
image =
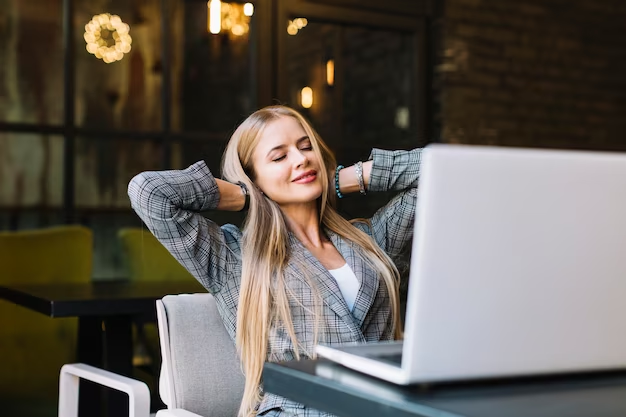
<point x="170" y="202"/>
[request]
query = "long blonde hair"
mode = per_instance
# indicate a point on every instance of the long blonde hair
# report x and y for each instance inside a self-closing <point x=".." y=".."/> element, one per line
<point x="263" y="299"/>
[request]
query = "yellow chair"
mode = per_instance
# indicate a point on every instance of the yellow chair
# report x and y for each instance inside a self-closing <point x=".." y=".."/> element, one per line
<point x="147" y="260"/>
<point x="33" y="347"/>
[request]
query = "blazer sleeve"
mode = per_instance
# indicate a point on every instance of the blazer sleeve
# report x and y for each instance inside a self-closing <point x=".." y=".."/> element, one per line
<point x="169" y="203"/>
<point x="392" y="225"/>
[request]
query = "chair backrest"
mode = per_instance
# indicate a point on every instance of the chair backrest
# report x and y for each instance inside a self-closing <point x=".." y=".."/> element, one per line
<point x="147" y="259"/>
<point x="55" y="254"/>
<point x="34" y="347"/>
<point x="200" y="372"/>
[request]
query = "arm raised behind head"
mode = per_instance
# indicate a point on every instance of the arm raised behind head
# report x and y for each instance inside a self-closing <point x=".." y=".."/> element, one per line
<point x="170" y="202"/>
<point x="391" y="225"/>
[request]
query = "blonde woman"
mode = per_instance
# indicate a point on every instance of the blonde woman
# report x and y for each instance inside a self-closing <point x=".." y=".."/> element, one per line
<point x="297" y="273"/>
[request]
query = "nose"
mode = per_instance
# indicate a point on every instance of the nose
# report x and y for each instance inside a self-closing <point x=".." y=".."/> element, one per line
<point x="300" y="159"/>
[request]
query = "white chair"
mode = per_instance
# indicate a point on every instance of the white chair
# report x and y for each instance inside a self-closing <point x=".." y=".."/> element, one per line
<point x="200" y="372"/>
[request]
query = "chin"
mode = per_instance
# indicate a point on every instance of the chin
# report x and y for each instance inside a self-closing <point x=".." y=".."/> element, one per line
<point x="309" y="197"/>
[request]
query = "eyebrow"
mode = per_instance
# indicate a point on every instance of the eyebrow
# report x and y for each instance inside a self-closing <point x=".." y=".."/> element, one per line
<point x="299" y="141"/>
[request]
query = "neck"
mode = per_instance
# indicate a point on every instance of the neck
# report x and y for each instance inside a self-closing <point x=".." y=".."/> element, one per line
<point x="303" y="221"/>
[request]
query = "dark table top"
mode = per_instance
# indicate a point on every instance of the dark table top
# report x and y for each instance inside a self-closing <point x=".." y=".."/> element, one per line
<point x="348" y="393"/>
<point x="95" y="298"/>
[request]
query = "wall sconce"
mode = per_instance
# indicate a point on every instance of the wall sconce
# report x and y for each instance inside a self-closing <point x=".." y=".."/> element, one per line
<point x="330" y="72"/>
<point x="306" y="97"/>
<point x="248" y="9"/>
<point x="403" y="120"/>
<point x="215" y="16"/>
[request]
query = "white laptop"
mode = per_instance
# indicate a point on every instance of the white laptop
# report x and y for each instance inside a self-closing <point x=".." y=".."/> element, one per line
<point x="518" y="268"/>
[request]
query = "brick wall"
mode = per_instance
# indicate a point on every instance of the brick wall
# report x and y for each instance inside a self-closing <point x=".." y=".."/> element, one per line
<point x="545" y="73"/>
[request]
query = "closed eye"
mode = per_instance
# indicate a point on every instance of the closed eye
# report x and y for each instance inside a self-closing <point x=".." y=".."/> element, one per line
<point x="280" y="158"/>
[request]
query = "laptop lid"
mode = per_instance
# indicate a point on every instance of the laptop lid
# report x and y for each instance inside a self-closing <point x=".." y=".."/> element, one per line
<point x="518" y="264"/>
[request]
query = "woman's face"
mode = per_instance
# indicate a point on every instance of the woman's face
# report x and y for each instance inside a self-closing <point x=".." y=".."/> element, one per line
<point x="286" y="168"/>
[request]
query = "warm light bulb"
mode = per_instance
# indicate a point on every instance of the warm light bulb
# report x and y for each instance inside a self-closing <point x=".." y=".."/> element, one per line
<point x="238" y="30"/>
<point x="123" y="29"/>
<point x="215" y="16"/>
<point x="248" y="9"/>
<point x="306" y="97"/>
<point x="292" y="29"/>
<point x="330" y="72"/>
<point x="107" y="37"/>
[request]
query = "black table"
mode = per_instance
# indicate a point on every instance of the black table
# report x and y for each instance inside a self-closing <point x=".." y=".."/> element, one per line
<point x="105" y="311"/>
<point x="338" y="390"/>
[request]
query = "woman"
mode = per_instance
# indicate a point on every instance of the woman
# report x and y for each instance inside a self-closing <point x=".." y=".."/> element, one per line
<point x="298" y="273"/>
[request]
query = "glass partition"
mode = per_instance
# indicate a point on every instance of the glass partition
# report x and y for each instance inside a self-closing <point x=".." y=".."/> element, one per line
<point x="356" y="84"/>
<point x="31" y="53"/>
<point x="119" y="64"/>
<point x="217" y="77"/>
<point x="31" y="168"/>
<point x="31" y="172"/>
<point x="121" y="68"/>
<point x="104" y="166"/>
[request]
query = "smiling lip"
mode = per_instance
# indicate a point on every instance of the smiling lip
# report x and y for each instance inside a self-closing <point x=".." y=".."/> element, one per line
<point x="306" y="177"/>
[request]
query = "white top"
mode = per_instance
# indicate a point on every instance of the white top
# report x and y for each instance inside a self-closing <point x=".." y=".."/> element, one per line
<point x="347" y="282"/>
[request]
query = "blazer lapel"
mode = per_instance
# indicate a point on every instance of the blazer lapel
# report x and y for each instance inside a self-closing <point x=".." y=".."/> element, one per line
<point x="367" y="277"/>
<point x="327" y="286"/>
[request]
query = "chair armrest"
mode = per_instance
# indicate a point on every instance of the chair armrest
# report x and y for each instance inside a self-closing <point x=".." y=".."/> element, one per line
<point x="138" y="392"/>
<point x="176" y="412"/>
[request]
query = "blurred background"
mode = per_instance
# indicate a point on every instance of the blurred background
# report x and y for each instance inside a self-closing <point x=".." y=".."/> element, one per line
<point x="74" y="129"/>
<point x="93" y="92"/>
